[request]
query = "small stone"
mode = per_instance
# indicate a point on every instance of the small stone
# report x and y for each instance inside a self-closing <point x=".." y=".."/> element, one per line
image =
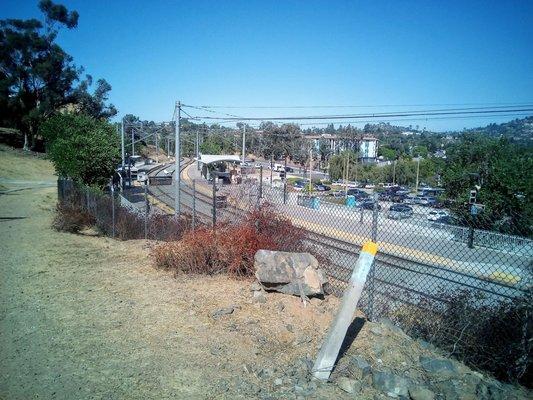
<point x="289" y="328"/>
<point x="376" y="330"/>
<point x="280" y="306"/>
<point x="389" y="324"/>
<point x="347" y="384"/>
<point x="359" y="367"/>
<point x="222" y="311"/>
<point x="392" y="385"/>
<point x="265" y="373"/>
<point x="278" y="382"/>
<point x="421" y="393"/>
<point x="256" y="287"/>
<point x="302" y="340"/>
<point x="259" y="297"/>
<point x="440" y="367"/>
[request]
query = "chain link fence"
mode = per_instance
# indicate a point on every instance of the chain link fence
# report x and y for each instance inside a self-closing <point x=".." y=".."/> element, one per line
<point x="128" y="215"/>
<point x="459" y="283"/>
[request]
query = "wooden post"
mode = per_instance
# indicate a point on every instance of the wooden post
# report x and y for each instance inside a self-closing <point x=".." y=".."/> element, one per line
<point x="330" y="348"/>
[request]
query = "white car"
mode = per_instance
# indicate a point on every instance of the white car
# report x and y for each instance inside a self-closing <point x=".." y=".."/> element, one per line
<point x="436" y="214"/>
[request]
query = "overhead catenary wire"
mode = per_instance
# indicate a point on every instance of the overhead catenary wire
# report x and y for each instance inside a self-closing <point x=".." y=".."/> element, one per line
<point x="437" y="112"/>
<point x="510" y="104"/>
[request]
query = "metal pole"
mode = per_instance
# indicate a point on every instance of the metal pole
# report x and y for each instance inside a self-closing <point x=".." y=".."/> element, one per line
<point x="271" y="167"/>
<point x="371" y="276"/>
<point x="122" y="144"/>
<point x="261" y="182"/>
<point x="168" y="147"/>
<point x="285" y="190"/>
<point x="417" y="173"/>
<point x="394" y="172"/>
<point x="157" y="147"/>
<point x="375" y="218"/>
<point x="214" y="200"/>
<point x="177" y="161"/>
<point x="197" y="152"/>
<point x="112" y="210"/>
<point x="193" y="203"/>
<point x="146" y="210"/>
<point x="244" y="144"/>
<point x="132" y="142"/>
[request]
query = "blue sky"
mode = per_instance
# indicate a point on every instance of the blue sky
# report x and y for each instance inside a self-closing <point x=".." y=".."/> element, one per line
<point x="286" y="53"/>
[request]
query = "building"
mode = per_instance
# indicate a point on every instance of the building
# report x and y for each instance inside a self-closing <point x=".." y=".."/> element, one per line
<point x="368" y="149"/>
<point x="367" y="146"/>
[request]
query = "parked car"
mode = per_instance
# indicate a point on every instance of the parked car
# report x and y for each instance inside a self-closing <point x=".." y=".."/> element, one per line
<point x="425" y="201"/>
<point x="410" y="200"/>
<point x="358" y="193"/>
<point x="369" y="204"/>
<point x="289" y="169"/>
<point x="337" y="193"/>
<point x="399" y="211"/>
<point x="446" y="220"/>
<point x="319" y="187"/>
<point x="434" y="215"/>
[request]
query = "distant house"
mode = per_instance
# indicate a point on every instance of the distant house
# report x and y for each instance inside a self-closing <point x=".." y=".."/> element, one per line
<point x="440" y="153"/>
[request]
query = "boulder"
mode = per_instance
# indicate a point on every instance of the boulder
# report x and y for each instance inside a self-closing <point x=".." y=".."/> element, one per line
<point x="289" y="273"/>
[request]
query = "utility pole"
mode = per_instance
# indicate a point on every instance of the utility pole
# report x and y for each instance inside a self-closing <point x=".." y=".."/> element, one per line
<point x="346" y="165"/>
<point x="132" y="142"/>
<point x="271" y="167"/>
<point x="244" y="144"/>
<point x="417" y="173"/>
<point x="156" y="147"/>
<point x="177" y="161"/>
<point x="197" y="151"/>
<point x="310" y="170"/>
<point x="394" y="172"/>
<point x="168" y="147"/>
<point x="122" y="143"/>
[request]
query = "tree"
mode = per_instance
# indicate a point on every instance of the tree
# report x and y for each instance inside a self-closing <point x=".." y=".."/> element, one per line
<point x="37" y="77"/>
<point x="82" y="148"/>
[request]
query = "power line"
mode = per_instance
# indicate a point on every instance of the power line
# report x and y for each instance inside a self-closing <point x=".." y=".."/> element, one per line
<point x="463" y="111"/>
<point x="511" y="104"/>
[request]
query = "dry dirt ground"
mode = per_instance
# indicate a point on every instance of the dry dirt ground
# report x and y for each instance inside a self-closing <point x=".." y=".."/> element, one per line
<point x="88" y="317"/>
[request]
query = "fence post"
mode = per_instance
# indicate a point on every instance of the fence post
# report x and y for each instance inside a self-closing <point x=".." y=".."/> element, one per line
<point x="214" y="201"/>
<point x="146" y="211"/>
<point x="362" y="212"/>
<point x="193" y="203"/>
<point x="372" y="272"/>
<point x="112" y="210"/>
<point x="261" y="182"/>
<point x="285" y="191"/>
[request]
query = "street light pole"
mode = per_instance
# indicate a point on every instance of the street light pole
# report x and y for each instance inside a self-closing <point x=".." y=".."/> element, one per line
<point x="417" y="173"/>
<point x="177" y="161"/>
<point x="244" y="144"/>
<point x="122" y="144"/>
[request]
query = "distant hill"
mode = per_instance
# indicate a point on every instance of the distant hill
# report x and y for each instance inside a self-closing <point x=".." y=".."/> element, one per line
<point x="518" y="130"/>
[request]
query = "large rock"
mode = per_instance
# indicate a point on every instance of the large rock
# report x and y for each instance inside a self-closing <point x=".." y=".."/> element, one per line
<point x="288" y="272"/>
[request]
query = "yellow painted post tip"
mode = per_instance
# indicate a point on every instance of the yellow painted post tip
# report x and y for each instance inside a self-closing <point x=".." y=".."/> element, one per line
<point x="370" y="247"/>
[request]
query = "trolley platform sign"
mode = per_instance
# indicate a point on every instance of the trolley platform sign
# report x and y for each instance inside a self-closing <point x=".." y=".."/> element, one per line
<point x="159" y="180"/>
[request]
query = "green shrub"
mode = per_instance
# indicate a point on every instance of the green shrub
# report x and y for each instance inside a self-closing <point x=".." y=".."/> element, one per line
<point x="82" y="148"/>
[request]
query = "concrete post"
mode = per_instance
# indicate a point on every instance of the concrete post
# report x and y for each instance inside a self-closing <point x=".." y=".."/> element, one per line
<point x="330" y="348"/>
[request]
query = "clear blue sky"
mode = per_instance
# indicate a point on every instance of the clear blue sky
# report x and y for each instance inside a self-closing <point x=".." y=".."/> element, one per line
<point x="302" y="53"/>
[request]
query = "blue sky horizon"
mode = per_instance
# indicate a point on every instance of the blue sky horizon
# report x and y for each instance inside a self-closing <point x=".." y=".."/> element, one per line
<point x="259" y="53"/>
